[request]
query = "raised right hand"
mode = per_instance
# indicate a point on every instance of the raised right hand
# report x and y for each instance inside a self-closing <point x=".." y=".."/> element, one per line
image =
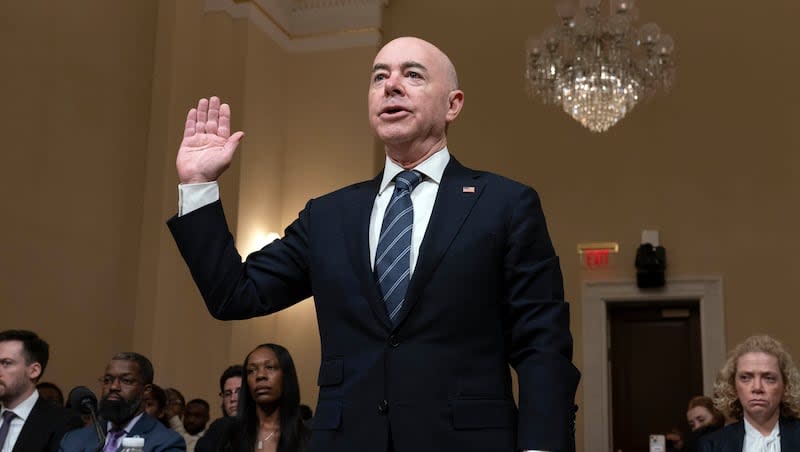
<point x="208" y="146"/>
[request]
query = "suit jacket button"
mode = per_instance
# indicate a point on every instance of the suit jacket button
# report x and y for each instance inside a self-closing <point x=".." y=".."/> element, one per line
<point x="394" y="341"/>
<point x="383" y="407"/>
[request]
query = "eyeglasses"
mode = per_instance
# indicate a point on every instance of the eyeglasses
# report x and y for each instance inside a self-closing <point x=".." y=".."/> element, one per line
<point x="228" y="394"/>
<point x="108" y="380"/>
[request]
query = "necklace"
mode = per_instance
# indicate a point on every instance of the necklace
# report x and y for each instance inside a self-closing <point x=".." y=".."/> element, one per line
<point x="261" y="442"/>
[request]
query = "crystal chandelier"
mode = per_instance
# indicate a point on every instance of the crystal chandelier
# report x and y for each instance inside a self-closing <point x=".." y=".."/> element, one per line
<point x="596" y="67"/>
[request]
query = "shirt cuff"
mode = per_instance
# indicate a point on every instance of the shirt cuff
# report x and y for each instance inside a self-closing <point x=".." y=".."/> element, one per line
<point x="194" y="196"/>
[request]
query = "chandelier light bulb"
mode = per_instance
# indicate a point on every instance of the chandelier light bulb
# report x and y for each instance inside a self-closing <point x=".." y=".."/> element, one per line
<point x="649" y="33"/>
<point x="665" y="45"/>
<point x="622" y="6"/>
<point x="598" y="68"/>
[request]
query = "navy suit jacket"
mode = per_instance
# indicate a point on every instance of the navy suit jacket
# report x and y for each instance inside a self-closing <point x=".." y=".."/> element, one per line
<point x="157" y="438"/>
<point x="44" y="427"/>
<point x="731" y="437"/>
<point x="486" y="292"/>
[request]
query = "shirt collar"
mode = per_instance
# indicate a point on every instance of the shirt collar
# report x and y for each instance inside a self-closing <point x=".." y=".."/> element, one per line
<point x="749" y="430"/>
<point x="129" y="426"/>
<point x="431" y="168"/>
<point x="23" y="410"/>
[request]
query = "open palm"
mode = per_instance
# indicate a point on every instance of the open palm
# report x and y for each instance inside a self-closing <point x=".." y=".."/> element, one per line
<point x="208" y="146"/>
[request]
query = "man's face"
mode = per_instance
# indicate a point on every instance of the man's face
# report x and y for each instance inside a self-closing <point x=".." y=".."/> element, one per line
<point x="410" y="93"/>
<point x="230" y="395"/>
<point x="123" y="392"/>
<point x="17" y="379"/>
<point x="264" y="376"/>
<point x="195" y="418"/>
<point x="759" y="385"/>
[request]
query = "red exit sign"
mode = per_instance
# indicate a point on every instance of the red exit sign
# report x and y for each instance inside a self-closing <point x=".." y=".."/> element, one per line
<point x="596" y="255"/>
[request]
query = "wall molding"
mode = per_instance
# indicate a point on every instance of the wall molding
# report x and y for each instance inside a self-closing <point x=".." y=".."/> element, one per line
<point x="311" y="25"/>
<point x="597" y="295"/>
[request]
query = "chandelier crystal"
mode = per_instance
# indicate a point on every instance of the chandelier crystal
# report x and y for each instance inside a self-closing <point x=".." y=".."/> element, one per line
<point x="596" y="67"/>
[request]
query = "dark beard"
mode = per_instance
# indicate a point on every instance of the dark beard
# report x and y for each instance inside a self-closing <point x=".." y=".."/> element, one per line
<point x="118" y="412"/>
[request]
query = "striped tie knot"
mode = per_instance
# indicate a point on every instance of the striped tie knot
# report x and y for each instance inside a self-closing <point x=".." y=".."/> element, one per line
<point x="407" y="180"/>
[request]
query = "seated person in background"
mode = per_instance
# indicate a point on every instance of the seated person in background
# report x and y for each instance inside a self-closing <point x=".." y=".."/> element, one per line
<point x="759" y="387"/>
<point x="269" y="407"/>
<point x="155" y="403"/>
<point x="195" y="418"/>
<point x="701" y="414"/>
<point x="703" y="418"/>
<point x="230" y="382"/>
<point x="175" y="404"/>
<point x="50" y="392"/>
<point x="125" y="381"/>
<point x="28" y="422"/>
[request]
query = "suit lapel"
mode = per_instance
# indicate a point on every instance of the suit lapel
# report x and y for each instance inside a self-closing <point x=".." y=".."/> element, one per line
<point x="143" y="426"/>
<point x="738" y="440"/>
<point x="355" y="225"/>
<point x="458" y="191"/>
<point x="34" y="431"/>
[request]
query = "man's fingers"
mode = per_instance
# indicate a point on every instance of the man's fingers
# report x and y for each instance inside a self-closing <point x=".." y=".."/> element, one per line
<point x="213" y="115"/>
<point x="202" y="115"/>
<point x="224" y="128"/>
<point x="191" y="117"/>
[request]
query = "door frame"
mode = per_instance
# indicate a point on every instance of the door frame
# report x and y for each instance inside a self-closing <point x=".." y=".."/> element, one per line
<point x="596" y="296"/>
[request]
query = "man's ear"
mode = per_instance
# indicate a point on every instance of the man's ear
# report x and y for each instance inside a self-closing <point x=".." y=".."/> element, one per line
<point x="455" y="103"/>
<point x="34" y="371"/>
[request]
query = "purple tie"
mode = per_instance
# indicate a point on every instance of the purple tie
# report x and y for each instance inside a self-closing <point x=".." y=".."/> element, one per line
<point x="7" y="417"/>
<point x="113" y="440"/>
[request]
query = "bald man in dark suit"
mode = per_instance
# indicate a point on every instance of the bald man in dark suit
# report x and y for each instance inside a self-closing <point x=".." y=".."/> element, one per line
<point x="428" y="280"/>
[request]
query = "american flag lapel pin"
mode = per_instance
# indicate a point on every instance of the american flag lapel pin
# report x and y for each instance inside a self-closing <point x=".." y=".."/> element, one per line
<point x="468" y="189"/>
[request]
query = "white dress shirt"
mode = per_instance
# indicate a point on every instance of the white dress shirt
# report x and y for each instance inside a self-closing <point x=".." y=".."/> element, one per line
<point x="754" y="441"/>
<point x="23" y="410"/>
<point x="422" y="198"/>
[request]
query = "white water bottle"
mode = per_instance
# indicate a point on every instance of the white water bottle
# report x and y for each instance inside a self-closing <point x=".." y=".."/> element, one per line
<point x="132" y="444"/>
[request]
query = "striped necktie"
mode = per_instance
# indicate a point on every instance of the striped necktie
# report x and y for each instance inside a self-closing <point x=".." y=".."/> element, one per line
<point x="8" y="416"/>
<point x="393" y="255"/>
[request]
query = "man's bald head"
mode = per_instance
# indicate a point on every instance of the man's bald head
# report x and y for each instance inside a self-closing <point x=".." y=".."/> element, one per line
<point x="447" y="66"/>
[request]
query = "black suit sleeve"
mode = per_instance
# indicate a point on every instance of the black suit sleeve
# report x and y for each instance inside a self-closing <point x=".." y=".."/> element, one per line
<point x="538" y="322"/>
<point x="271" y="279"/>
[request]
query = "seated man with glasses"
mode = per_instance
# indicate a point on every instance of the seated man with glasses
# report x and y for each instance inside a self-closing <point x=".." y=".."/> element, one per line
<point x="230" y="382"/>
<point x="121" y="408"/>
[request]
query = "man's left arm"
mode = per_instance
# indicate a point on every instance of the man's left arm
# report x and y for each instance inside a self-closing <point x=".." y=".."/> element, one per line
<point x="538" y="326"/>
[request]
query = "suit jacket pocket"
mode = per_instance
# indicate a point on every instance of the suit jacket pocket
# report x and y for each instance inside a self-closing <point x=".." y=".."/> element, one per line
<point x="328" y="415"/>
<point x="483" y="413"/>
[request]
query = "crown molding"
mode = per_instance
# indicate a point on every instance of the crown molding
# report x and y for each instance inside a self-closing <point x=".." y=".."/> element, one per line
<point x="310" y="25"/>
